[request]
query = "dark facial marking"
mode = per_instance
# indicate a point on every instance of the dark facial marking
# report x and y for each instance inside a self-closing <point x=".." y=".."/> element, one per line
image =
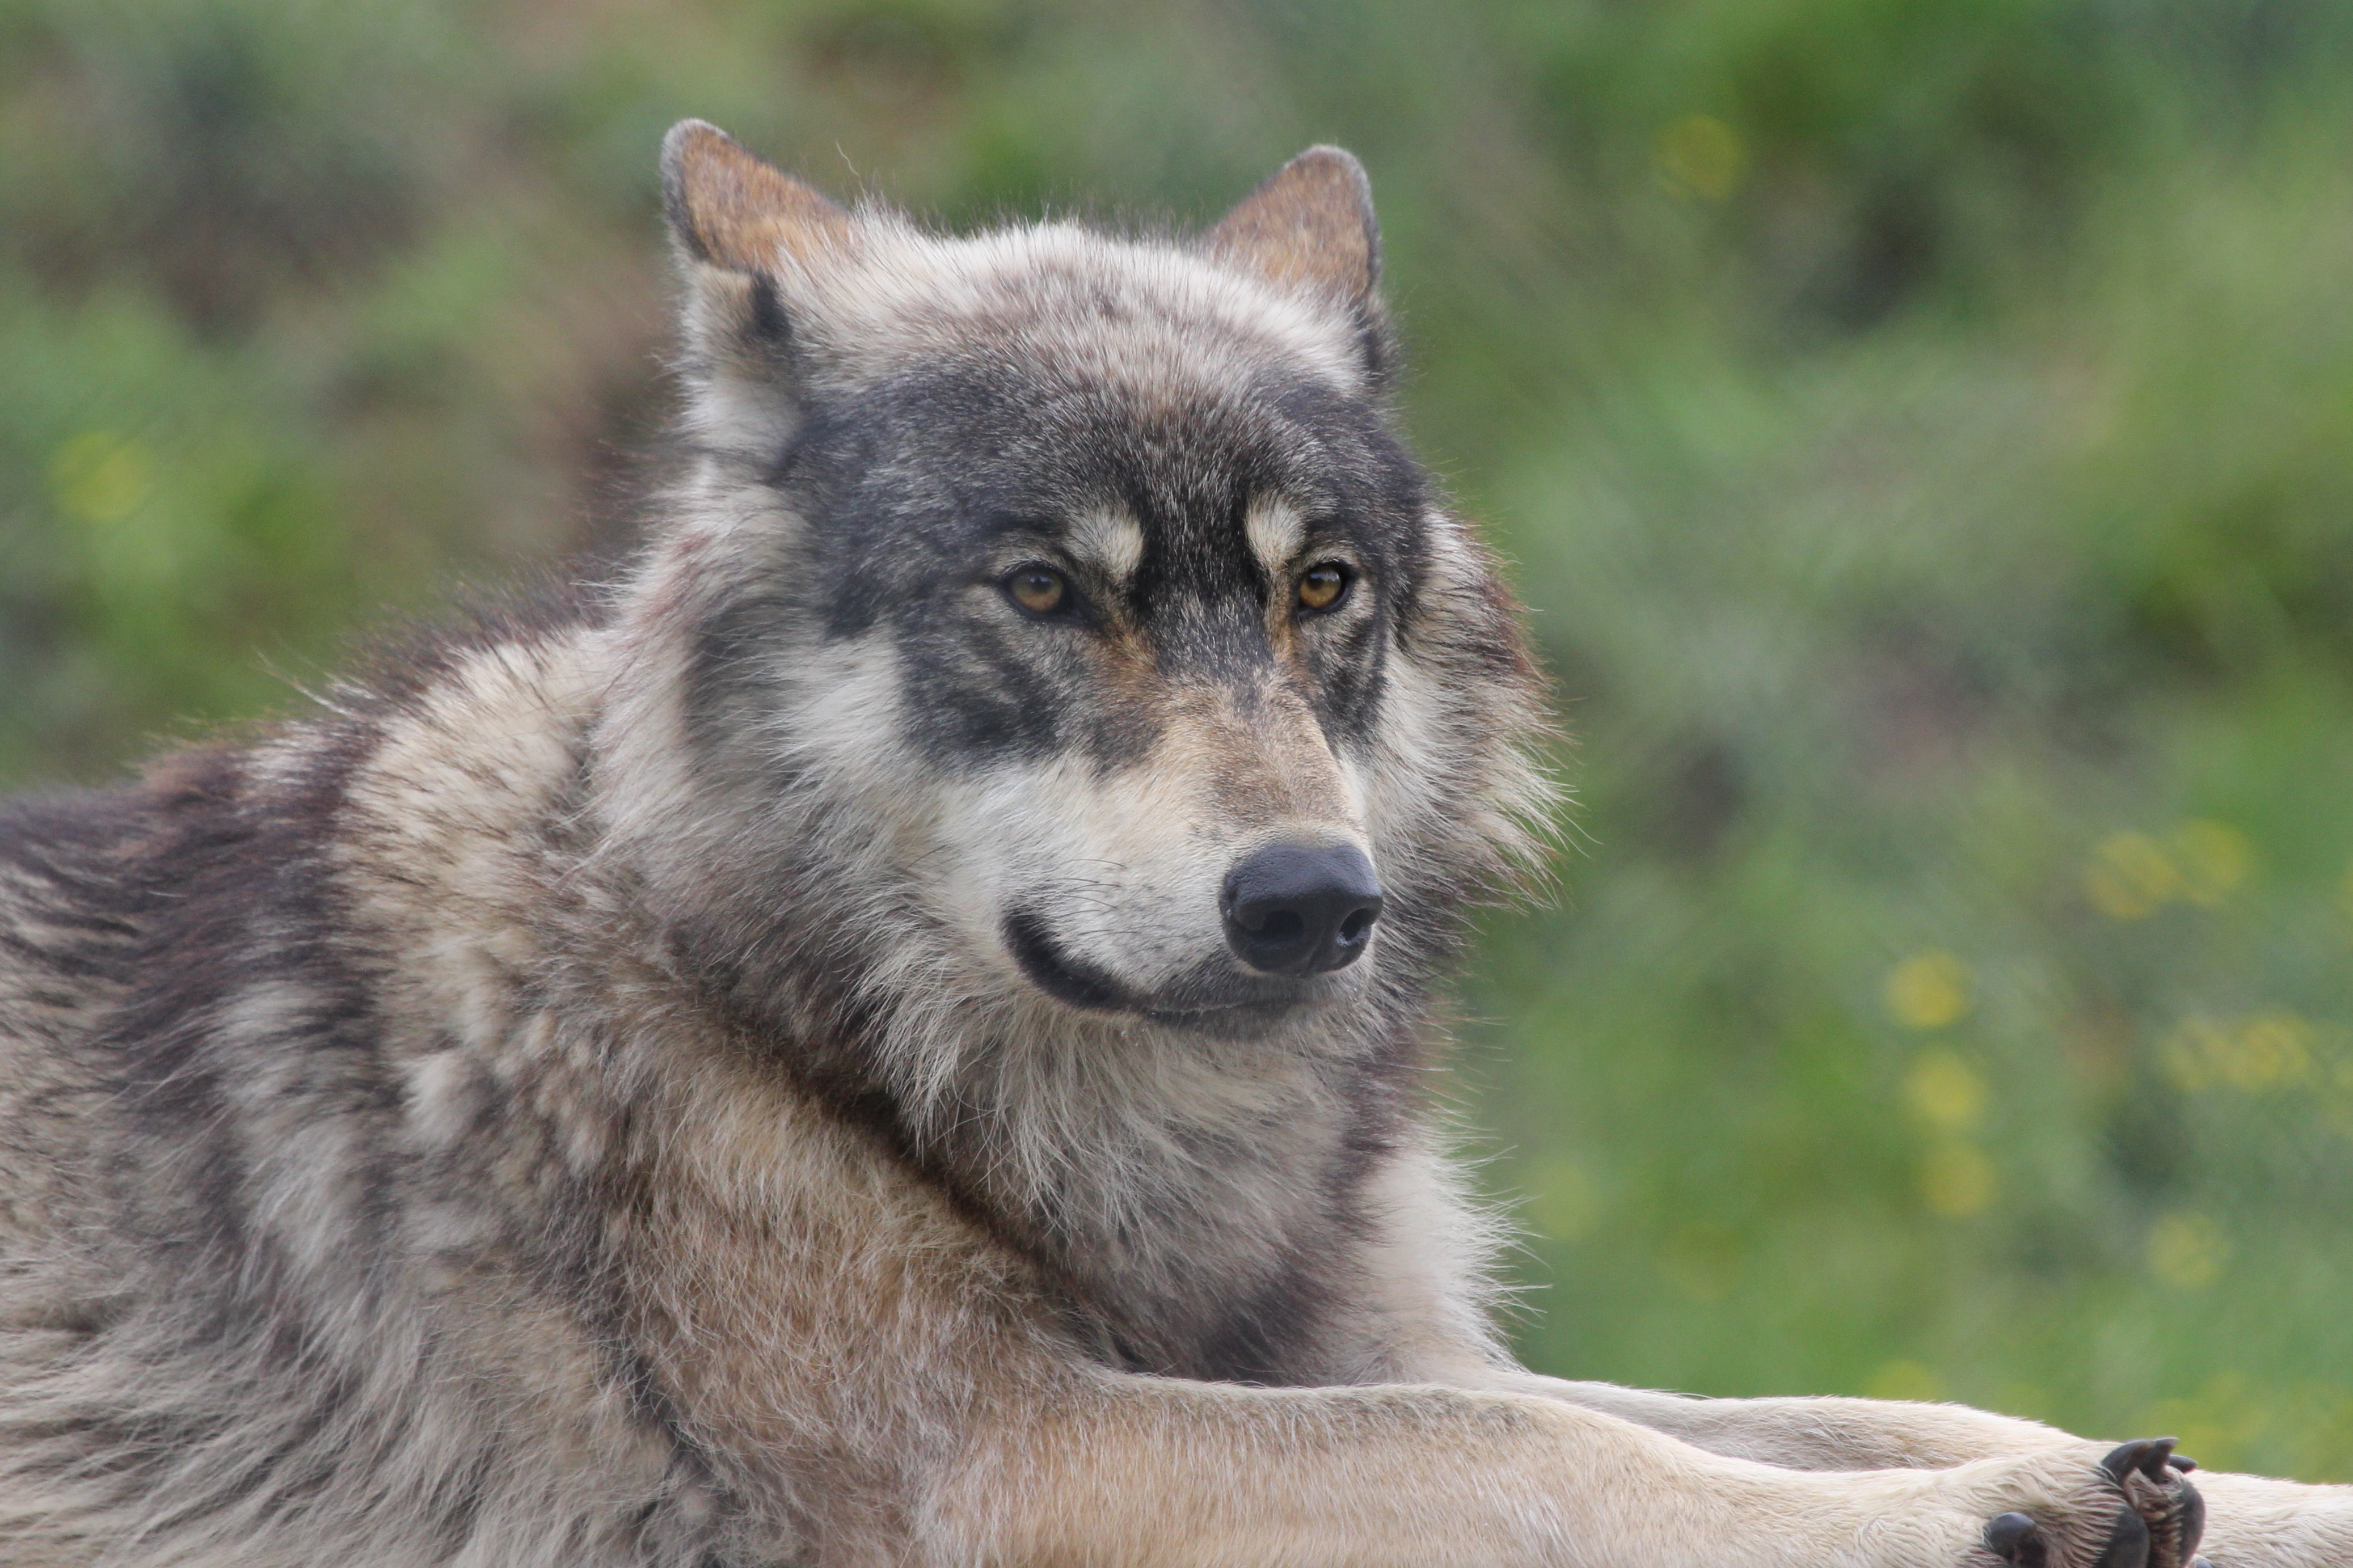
<point x="914" y="488"/>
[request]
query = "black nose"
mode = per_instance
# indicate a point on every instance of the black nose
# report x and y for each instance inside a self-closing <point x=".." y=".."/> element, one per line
<point x="1295" y="910"/>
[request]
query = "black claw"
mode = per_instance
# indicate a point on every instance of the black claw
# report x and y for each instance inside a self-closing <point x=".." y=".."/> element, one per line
<point x="2013" y="1538"/>
<point x="2183" y="1463"/>
<point x="2128" y="1543"/>
<point x="2146" y="1455"/>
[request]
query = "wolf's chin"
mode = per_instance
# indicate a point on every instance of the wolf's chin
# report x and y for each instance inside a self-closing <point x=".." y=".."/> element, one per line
<point x="1221" y="1009"/>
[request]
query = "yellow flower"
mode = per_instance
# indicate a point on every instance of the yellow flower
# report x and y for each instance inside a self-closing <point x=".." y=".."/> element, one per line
<point x="2213" y="858"/>
<point x="2269" y="1050"/>
<point x="2272" y="1049"/>
<point x="2187" y="1250"/>
<point x="1699" y="155"/>
<point x="1944" y="1091"/>
<point x="2131" y="876"/>
<point x="1928" y="990"/>
<point x="1957" y="1180"/>
<point x="100" y="477"/>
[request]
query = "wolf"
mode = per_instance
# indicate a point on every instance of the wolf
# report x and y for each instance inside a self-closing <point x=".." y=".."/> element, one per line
<point x="895" y="1028"/>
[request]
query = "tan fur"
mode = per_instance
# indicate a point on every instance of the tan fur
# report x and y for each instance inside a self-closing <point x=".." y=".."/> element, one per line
<point x="742" y="213"/>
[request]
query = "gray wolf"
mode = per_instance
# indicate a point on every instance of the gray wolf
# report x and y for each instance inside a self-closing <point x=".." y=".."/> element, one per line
<point x="894" y="1032"/>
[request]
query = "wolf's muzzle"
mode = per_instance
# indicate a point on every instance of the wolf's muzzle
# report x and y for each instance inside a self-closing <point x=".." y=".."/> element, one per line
<point x="1296" y="909"/>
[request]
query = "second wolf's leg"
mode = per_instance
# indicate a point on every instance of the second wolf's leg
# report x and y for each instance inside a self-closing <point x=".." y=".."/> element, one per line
<point x="1808" y="1434"/>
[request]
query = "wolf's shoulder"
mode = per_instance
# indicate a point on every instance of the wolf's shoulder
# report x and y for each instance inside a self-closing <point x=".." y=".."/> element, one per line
<point x="155" y="889"/>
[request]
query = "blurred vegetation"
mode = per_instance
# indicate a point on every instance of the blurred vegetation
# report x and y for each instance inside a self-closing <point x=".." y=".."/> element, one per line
<point x="1924" y="430"/>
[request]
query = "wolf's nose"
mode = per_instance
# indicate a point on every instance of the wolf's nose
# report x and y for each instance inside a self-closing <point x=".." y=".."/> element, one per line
<point x="1292" y="908"/>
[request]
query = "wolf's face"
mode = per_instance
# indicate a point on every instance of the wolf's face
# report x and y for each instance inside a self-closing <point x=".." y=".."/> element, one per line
<point x="1138" y="616"/>
<point x="1076" y="596"/>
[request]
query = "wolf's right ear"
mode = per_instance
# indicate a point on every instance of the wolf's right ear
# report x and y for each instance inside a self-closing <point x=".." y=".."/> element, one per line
<point x="755" y="243"/>
<point x="731" y="210"/>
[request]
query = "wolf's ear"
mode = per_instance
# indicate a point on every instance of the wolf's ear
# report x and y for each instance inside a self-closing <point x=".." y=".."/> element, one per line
<point x="731" y="210"/>
<point x="755" y="243"/>
<point x="1309" y="226"/>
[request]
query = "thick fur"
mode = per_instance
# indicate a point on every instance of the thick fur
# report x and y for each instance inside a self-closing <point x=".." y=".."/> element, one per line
<point x="744" y="1066"/>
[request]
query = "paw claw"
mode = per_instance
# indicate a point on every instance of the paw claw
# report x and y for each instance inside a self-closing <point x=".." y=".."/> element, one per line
<point x="2146" y="1455"/>
<point x="2137" y="1510"/>
<point x="2163" y="1515"/>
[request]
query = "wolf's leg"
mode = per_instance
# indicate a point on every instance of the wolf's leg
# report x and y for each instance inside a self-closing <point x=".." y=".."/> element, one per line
<point x="882" y="1383"/>
<point x="1139" y="1470"/>
<point x="2251" y="1521"/>
<point x="1425" y="1272"/>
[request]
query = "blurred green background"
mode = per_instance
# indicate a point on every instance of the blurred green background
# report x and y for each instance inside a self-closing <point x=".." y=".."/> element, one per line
<point x="1923" y="428"/>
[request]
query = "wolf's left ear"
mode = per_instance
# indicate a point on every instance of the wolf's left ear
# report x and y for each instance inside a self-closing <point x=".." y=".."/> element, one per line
<point x="1310" y="228"/>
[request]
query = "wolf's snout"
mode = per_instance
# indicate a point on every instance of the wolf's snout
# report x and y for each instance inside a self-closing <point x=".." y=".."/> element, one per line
<point x="1292" y="908"/>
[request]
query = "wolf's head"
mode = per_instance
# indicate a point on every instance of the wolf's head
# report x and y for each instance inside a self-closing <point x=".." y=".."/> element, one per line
<point x="1054" y="631"/>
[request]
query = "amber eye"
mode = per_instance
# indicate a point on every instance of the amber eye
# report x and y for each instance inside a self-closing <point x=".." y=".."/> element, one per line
<point x="1037" y="589"/>
<point x="1324" y="584"/>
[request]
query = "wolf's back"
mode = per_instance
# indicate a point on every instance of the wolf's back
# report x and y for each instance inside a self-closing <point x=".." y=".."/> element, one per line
<point x="216" y="1309"/>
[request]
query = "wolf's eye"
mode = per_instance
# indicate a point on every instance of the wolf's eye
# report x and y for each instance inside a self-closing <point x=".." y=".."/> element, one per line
<point x="1325" y="584"/>
<point x="1037" y="589"/>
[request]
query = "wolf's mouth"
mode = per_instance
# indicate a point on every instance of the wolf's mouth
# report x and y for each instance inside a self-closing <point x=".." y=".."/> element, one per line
<point x="1056" y="973"/>
<point x="1070" y="980"/>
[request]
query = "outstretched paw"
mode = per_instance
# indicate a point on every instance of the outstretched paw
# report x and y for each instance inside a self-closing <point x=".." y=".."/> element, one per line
<point x="2156" y="1522"/>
